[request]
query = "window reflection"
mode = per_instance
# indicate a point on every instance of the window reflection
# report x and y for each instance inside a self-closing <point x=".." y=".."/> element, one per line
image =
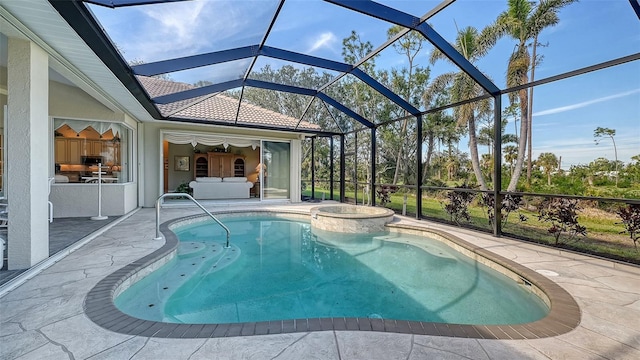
<point x="79" y="146"/>
<point x="277" y="167"/>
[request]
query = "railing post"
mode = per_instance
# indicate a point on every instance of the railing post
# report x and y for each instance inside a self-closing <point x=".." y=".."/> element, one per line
<point x="158" y="237"/>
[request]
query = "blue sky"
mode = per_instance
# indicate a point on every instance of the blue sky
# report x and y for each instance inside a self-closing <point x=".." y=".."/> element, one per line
<point x="565" y="112"/>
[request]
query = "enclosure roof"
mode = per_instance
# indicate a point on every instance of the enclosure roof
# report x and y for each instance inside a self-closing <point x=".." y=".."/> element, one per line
<point x="222" y="61"/>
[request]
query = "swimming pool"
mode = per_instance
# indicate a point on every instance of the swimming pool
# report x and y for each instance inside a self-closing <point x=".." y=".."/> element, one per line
<point x="281" y="269"/>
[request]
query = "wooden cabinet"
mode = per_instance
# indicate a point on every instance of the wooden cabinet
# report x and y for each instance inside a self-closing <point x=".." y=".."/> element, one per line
<point x="94" y="147"/>
<point x="218" y="165"/>
<point x="68" y="151"/>
<point x="60" y="150"/>
<point x="201" y="165"/>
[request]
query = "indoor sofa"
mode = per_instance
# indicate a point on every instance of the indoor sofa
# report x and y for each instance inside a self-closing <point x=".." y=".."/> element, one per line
<point x="221" y="188"/>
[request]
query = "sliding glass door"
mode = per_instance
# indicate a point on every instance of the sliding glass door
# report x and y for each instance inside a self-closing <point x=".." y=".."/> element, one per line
<point x="276" y="177"/>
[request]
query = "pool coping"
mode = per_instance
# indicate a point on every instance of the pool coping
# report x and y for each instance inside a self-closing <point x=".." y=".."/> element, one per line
<point x="99" y="307"/>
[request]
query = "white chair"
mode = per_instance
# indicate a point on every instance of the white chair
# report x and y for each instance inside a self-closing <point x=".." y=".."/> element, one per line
<point x="51" y="180"/>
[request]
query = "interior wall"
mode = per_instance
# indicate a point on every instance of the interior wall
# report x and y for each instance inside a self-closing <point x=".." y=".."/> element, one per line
<point x="178" y="177"/>
<point x="175" y="178"/>
<point x="152" y="150"/>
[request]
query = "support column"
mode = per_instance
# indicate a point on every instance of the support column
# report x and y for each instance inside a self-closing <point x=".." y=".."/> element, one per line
<point x="331" y="169"/>
<point x="342" y="170"/>
<point x="313" y="168"/>
<point x="28" y="153"/>
<point x="419" y="167"/>
<point x="497" y="163"/>
<point x="372" y="190"/>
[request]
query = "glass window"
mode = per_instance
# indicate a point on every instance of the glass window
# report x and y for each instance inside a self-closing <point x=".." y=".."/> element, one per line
<point x="80" y="146"/>
<point x="276" y="178"/>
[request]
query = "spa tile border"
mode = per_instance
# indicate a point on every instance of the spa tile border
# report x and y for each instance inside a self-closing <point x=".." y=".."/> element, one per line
<point x="563" y="317"/>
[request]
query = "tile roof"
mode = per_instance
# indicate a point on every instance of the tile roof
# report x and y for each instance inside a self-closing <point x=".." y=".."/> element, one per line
<point x="218" y="107"/>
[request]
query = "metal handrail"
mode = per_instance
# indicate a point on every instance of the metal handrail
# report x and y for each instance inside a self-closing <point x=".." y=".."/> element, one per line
<point x="158" y="237"/>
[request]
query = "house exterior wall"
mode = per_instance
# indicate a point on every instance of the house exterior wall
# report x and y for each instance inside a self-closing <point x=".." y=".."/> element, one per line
<point x="117" y="199"/>
<point x="71" y="102"/>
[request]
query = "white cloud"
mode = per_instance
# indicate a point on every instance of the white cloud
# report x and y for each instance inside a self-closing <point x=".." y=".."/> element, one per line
<point x="585" y="103"/>
<point x="324" y="40"/>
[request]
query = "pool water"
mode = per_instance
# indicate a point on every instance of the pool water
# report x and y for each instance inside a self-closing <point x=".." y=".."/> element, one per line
<point x="279" y="269"/>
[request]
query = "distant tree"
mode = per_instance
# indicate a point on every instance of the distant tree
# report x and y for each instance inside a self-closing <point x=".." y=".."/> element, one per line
<point x="510" y="155"/>
<point x="549" y="162"/>
<point x="410" y="46"/>
<point x="523" y="21"/>
<point x="601" y="132"/>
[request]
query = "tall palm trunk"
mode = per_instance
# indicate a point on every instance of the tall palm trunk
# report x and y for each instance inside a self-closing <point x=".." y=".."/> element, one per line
<point x="522" y="143"/>
<point x="530" y="113"/>
<point x="427" y="162"/>
<point x="473" y="148"/>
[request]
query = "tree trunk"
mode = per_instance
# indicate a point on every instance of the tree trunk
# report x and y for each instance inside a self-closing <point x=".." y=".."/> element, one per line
<point x="615" y="152"/>
<point x="399" y="158"/>
<point x="530" y="112"/>
<point x="473" y="148"/>
<point x="522" y="143"/>
<point x="549" y="178"/>
<point x="427" y="163"/>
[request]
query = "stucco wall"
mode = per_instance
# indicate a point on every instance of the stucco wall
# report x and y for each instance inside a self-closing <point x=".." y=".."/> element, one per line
<point x="71" y="102"/>
<point x="79" y="200"/>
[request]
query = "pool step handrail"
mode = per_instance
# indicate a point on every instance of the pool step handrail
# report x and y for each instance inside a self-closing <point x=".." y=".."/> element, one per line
<point x="182" y="195"/>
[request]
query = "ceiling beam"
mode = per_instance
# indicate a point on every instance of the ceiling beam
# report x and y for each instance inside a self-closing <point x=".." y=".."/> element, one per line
<point x="122" y="3"/>
<point x="195" y="61"/>
<point x="197" y="92"/>
<point x="352" y="114"/>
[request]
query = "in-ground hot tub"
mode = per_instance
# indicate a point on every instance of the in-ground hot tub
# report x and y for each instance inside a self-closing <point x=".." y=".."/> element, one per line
<point x="350" y="218"/>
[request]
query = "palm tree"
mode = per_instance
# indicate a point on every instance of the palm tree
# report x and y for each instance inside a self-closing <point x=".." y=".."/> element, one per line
<point x="600" y="132"/>
<point x="549" y="162"/>
<point x="472" y="45"/>
<point x="510" y="156"/>
<point x="523" y="21"/>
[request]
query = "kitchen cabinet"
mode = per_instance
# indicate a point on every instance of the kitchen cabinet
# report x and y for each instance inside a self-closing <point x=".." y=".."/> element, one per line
<point x="94" y="147"/>
<point x="68" y="151"/>
<point x="214" y="164"/>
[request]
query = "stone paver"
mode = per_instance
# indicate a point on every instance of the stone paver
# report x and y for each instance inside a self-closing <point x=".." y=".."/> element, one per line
<point x="44" y="317"/>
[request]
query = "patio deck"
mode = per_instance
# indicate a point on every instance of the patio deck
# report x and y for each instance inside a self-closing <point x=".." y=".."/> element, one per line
<point x="44" y="317"/>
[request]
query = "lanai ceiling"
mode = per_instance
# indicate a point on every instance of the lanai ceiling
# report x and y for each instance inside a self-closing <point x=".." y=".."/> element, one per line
<point x="237" y="40"/>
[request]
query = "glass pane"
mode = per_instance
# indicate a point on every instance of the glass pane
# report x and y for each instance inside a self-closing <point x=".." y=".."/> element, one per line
<point x="403" y="68"/>
<point x="176" y="29"/>
<point x="222" y="107"/>
<point x="440" y="134"/>
<point x="319" y="115"/>
<point x="290" y="73"/>
<point x="213" y="74"/>
<point x="277" y="166"/>
<point x="470" y="18"/>
<point x="565" y="127"/>
<point x="560" y="47"/>
<point x="343" y="121"/>
<point x="460" y="153"/>
<point x="80" y="146"/>
<point x="273" y="108"/>
<point x="322" y="33"/>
